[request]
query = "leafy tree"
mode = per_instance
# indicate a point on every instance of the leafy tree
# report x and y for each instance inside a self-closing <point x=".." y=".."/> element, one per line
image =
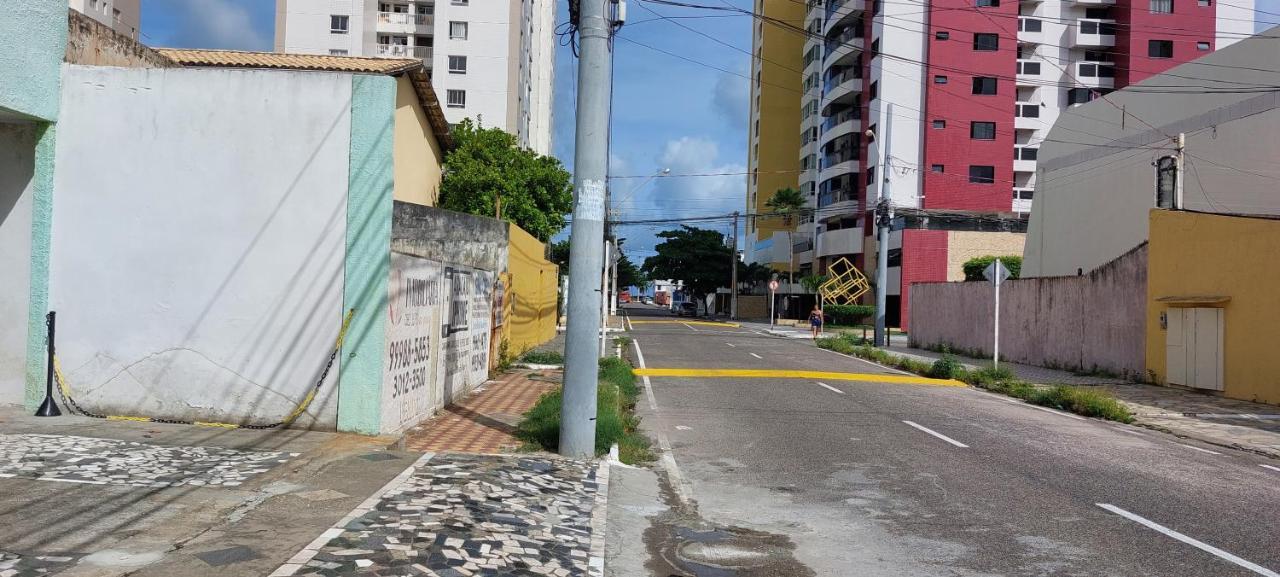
<point x="973" y="267"/>
<point x="560" y="255"/>
<point x="786" y="202"/>
<point x="487" y="167"/>
<point x="629" y="275"/>
<point x="697" y="256"/>
<point x="753" y="274"/>
<point x="812" y="282"/>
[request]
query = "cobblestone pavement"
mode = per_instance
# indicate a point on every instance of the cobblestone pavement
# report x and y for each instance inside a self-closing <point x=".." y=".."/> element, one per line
<point x="15" y="565"/>
<point x="484" y="422"/>
<point x="463" y="515"/>
<point x="97" y="461"/>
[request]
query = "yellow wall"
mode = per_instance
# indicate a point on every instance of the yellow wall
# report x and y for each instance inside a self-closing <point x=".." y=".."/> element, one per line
<point x="1203" y="255"/>
<point x="963" y="245"/>
<point x="530" y="304"/>
<point x="416" y="154"/>
<point x="779" y="109"/>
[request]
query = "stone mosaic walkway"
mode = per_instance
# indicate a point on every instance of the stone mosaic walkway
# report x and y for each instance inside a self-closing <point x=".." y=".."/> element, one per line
<point x="97" y="461"/>
<point x="469" y="515"/>
<point x="15" y="565"/>
<point x="484" y="422"/>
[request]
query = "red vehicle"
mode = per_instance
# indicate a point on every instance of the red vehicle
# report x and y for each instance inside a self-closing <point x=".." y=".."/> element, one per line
<point x="661" y="298"/>
<point x="624" y="296"/>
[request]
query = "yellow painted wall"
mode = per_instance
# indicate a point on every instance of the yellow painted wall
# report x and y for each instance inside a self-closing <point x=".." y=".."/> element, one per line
<point x="779" y="109"/>
<point x="531" y="294"/>
<point x="416" y="155"/>
<point x="1210" y="255"/>
<point x="963" y="245"/>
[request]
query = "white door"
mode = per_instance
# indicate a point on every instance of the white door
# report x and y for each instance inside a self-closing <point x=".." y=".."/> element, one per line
<point x="1193" y="347"/>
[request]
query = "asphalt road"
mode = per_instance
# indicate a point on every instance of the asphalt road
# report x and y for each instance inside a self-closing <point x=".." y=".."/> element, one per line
<point x="866" y="477"/>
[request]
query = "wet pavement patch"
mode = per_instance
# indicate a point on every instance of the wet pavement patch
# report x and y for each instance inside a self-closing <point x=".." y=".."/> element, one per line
<point x="220" y="557"/>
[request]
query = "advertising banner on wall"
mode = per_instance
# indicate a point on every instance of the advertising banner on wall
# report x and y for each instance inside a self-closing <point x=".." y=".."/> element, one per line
<point x="410" y="391"/>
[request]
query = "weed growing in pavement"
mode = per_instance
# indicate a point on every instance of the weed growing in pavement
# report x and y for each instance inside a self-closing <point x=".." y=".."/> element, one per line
<point x="542" y="358"/>
<point x="616" y="421"/>
<point x="946" y="367"/>
<point x="623" y="342"/>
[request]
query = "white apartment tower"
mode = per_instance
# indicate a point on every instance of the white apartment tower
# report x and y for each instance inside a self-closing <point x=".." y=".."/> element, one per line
<point x="490" y="60"/>
<point x="123" y="16"/>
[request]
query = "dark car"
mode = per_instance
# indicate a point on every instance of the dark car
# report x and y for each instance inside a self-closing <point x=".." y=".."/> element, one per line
<point x="688" y="309"/>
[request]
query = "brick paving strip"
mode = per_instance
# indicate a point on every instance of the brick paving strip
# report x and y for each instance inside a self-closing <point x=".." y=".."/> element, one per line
<point x="485" y="421"/>
<point x="454" y="515"/>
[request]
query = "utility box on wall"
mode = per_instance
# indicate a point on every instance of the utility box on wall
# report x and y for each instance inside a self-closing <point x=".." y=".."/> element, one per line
<point x="1193" y="347"/>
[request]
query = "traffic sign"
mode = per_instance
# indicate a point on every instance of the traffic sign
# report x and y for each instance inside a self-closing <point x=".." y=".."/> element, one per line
<point x="995" y="272"/>
<point x="773" y="285"/>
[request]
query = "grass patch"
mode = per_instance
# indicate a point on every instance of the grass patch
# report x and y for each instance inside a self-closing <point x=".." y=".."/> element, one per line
<point x="616" y="422"/>
<point x="542" y="358"/>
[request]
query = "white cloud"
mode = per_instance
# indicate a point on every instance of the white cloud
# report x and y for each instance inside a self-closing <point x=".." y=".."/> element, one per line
<point x="219" y="24"/>
<point x="732" y="99"/>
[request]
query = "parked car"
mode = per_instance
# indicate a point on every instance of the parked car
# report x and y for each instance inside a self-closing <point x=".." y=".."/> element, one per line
<point x="688" y="309"/>
<point x="646" y="300"/>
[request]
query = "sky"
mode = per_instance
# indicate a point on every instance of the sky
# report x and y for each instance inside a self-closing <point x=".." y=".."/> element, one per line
<point x="667" y="112"/>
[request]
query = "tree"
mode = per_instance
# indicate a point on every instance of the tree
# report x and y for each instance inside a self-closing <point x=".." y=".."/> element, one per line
<point x="487" y="167"/>
<point x="786" y="202"/>
<point x="973" y="267"/>
<point x="812" y="282"/>
<point x="629" y="275"/>
<point x="560" y="255"/>
<point x="699" y="257"/>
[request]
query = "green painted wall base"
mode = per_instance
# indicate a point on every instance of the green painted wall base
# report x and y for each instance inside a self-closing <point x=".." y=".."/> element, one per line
<point x="41" y="238"/>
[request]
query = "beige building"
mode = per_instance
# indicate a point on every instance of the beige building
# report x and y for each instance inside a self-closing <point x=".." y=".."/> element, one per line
<point x="123" y="16"/>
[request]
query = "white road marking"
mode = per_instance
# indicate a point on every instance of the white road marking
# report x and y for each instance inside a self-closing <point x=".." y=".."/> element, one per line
<point x="683" y="428"/>
<point x="690" y="327"/>
<point x="938" y="435"/>
<point x="1273" y="468"/>
<point x="876" y="365"/>
<point x="1029" y="405"/>
<point x="756" y="356"/>
<point x="1124" y="429"/>
<point x="732" y="345"/>
<point x="1198" y="449"/>
<point x="648" y="386"/>
<point x="626" y="317"/>
<point x="829" y="387"/>
<point x="1188" y="540"/>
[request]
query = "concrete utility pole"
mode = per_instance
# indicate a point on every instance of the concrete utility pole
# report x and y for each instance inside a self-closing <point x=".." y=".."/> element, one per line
<point x="733" y="271"/>
<point x="613" y="293"/>
<point x="590" y="165"/>
<point x="1181" y="171"/>
<point x="604" y="297"/>
<point x="884" y="218"/>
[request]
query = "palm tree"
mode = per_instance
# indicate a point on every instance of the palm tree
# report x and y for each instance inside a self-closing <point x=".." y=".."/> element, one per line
<point x="786" y="202"/>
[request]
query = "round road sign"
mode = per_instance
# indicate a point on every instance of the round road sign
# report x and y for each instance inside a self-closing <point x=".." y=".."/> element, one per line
<point x="773" y="285"/>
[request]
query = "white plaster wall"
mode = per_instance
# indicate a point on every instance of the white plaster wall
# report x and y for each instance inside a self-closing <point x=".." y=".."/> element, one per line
<point x="17" y="157"/>
<point x="900" y="83"/>
<point x="306" y="29"/>
<point x="1235" y="21"/>
<point x="486" y="49"/>
<point x="198" y="240"/>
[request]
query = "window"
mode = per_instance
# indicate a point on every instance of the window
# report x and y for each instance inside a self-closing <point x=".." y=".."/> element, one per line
<point x="1161" y="6"/>
<point x="873" y="91"/>
<point x="937" y="168"/>
<point x="986" y="42"/>
<point x="458" y="64"/>
<point x="1202" y="46"/>
<point x="1098" y="56"/>
<point x="1160" y="48"/>
<point x="982" y="174"/>
<point x="460" y="2"/>
<point x="337" y="52"/>
<point x="1166" y="181"/>
<point x="1079" y="96"/>
<point x="1030" y="24"/>
<point x="338" y="24"/>
<point x="1204" y="3"/>
<point x="456" y="98"/>
<point x="939" y="124"/>
<point x="875" y="46"/>
<point x="871" y="175"/>
<point x="987" y="3"/>
<point x="458" y="30"/>
<point x="895" y="257"/>
<point x="1025" y="153"/>
<point x="942" y="35"/>
<point x="982" y="130"/>
<point x="939" y="79"/>
<point x="984" y="85"/>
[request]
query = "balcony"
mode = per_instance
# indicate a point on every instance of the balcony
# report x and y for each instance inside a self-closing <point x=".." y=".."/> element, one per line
<point x="402" y="51"/>
<point x="839" y="11"/>
<point x="1096" y="74"/>
<point x="405" y="23"/>
<point x="839" y="163"/>
<point x="842" y="87"/>
<point x="1024" y="158"/>
<point x="1096" y="2"/>
<point x="842" y="123"/>
<point x="1030" y="30"/>
<point x="841" y="48"/>
<point x="1093" y="32"/>
<point x="838" y="197"/>
<point x="1029" y="73"/>
<point x="1026" y="116"/>
<point x="840" y="242"/>
<point x="1022" y="199"/>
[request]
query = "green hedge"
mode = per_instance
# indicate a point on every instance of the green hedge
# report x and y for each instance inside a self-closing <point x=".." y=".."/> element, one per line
<point x="973" y="267"/>
<point x="849" y="314"/>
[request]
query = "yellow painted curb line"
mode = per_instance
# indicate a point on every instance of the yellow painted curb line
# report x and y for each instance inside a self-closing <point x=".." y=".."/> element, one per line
<point x="788" y="374"/>
<point x="706" y="323"/>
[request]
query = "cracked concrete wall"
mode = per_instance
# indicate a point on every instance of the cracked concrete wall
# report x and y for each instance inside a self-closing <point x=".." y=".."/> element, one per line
<point x="198" y="240"/>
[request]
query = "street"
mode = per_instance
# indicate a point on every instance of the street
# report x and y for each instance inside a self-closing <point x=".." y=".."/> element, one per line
<point x="868" y="477"/>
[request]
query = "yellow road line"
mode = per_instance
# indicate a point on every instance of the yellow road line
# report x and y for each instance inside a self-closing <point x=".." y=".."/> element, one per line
<point x="789" y="374"/>
<point x="707" y="323"/>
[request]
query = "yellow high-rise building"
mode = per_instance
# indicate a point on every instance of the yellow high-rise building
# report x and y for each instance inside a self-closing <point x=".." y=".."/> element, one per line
<point x="774" y="141"/>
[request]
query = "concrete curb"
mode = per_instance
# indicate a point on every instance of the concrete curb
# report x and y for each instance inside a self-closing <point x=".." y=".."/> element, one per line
<point x="599" y="520"/>
<point x="538" y="367"/>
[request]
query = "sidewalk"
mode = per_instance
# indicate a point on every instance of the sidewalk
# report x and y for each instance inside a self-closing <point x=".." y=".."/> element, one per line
<point x="1204" y="417"/>
<point x="485" y="421"/>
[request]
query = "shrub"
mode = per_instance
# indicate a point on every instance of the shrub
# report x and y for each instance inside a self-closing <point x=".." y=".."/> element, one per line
<point x="849" y="314"/>
<point x="1082" y="401"/>
<point x="973" y="267"/>
<point x="543" y="358"/>
<point x="946" y="367"/>
<point x="616" y="395"/>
